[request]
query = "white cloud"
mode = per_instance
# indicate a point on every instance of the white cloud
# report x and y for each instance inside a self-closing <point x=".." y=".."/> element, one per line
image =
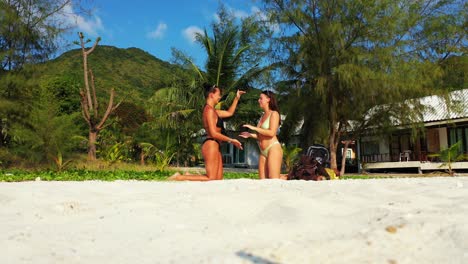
<point x="255" y="10"/>
<point x="239" y="13"/>
<point x="261" y="16"/>
<point x="189" y="33"/>
<point x="216" y="18"/>
<point x="88" y="26"/>
<point x="91" y="27"/>
<point x="159" y="32"/>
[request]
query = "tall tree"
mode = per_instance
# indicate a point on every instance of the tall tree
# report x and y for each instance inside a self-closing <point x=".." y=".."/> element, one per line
<point x="29" y="30"/>
<point x="46" y="133"/>
<point x="89" y="102"/>
<point x="352" y="55"/>
<point x="235" y="53"/>
<point x="29" y="34"/>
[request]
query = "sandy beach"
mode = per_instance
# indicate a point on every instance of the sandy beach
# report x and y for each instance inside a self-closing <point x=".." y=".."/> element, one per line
<point x="406" y="220"/>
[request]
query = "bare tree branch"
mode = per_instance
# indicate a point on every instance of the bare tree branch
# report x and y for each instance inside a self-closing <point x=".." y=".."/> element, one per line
<point x="89" y="102"/>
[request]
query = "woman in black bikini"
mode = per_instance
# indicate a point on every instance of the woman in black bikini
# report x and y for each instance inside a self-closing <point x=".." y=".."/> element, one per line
<point x="213" y="124"/>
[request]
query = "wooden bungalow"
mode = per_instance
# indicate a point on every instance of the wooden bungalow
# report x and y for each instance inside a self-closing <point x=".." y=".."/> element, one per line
<point x="400" y="151"/>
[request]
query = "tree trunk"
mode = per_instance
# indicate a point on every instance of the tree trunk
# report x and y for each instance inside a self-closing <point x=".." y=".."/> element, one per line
<point x="142" y="158"/>
<point x="89" y="102"/>
<point x="333" y="164"/>
<point x="333" y="136"/>
<point x="343" y="158"/>
<point x="92" y="145"/>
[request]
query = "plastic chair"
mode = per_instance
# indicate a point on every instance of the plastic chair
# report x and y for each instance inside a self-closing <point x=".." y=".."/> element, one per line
<point x="405" y="155"/>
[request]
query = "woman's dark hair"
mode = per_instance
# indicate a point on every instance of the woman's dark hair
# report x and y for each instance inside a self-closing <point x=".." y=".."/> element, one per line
<point x="208" y="88"/>
<point x="273" y="103"/>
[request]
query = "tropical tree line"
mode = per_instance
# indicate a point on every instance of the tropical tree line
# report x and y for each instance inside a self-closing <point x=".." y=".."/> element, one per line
<point x="330" y="62"/>
<point x="340" y="59"/>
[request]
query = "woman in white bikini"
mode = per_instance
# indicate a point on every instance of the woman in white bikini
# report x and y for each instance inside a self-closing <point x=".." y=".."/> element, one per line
<point x="271" y="153"/>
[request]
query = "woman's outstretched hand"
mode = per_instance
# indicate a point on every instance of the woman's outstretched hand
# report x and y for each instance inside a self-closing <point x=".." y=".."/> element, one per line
<point x="236" y="143"/>
<point x="245" y="135"/>
<point x="250" y="127"/>
<point x="239" y="93"/>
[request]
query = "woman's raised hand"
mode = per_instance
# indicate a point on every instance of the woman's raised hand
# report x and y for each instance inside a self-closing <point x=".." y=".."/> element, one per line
<point x="239" y="93"/>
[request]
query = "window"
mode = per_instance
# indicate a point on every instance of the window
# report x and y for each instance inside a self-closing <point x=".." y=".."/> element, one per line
<point x="466" y="140"/>
<point x="239" y="156"/>
<point x="349" y="153"/>
<point x="459" y="134"/>
<point x="370" y="147"/>
<point x="226" y="150"/>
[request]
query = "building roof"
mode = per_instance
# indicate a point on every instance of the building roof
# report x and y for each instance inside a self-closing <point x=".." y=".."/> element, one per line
<point x="451" y="107"/>
<point x="437" y="106"/>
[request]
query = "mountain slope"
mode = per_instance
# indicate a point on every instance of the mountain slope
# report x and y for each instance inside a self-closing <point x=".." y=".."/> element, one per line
<point x="132" y="72"/>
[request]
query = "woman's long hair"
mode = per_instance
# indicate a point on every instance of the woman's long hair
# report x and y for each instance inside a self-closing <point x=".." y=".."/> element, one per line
<point x="273" y="102"/>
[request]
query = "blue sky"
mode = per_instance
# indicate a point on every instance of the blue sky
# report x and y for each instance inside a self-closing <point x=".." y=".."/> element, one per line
<point x="155" y="26"/>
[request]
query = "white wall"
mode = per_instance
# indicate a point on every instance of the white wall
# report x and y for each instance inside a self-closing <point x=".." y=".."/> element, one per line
<point x="443" y="139"/>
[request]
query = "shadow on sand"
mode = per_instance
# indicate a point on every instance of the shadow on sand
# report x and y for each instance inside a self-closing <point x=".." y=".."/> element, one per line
<point x="254" y="259"/>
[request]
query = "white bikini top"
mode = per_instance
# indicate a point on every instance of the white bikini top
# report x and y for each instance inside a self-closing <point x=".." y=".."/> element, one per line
<point x="266" y="123"/>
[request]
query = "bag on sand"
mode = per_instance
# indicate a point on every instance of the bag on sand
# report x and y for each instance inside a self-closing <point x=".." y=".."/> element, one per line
<point x="308" y="168"/>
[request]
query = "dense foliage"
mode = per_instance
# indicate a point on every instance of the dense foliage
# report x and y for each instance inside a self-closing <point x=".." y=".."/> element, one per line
<point x="340" y="59"/>
<point x="101" y="175"/>
<point x="51" y="126"/>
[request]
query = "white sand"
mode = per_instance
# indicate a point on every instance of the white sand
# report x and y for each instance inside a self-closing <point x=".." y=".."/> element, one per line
<point x="417" y="220"/>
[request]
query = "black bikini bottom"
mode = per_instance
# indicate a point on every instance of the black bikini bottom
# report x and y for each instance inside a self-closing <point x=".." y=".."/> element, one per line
<point x="206" y="139"/>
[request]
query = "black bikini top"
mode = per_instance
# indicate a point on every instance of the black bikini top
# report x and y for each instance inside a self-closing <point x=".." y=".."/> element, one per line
<point x="220" y="122"/>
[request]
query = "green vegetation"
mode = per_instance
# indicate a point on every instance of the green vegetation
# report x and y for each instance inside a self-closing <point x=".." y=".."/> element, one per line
<point x="343" y="59"/>
<point x="332" y="63"/>
<point x="450" y="155"/>
<point x="51" y="130"/>
<point x="81" y="175"/>
<point x="101" y="175"/>
<point x="15" y="175"/>
<point x="290" y="156"/>
<point x="133" y="73"/>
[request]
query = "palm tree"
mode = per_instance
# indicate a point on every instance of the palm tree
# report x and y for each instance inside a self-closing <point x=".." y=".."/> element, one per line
<point x="290" y="156"/>
<point x="234" y="52"/>
<point x="450" y="155"/>
<point x="233" y="58"/>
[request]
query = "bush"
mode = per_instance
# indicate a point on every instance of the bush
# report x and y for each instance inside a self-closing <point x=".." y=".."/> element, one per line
<point x="7" y="158"/>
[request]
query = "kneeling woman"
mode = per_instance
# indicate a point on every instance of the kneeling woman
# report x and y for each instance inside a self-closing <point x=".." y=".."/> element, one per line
<point x="213" y="124"/>
<point x="271" y="153"/>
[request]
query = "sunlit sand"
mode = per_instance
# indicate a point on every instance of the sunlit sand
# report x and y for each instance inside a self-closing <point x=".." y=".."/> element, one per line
<point x="410" y="220"/>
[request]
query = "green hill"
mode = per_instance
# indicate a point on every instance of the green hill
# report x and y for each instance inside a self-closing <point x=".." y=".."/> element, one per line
<point x="133" y="73"/>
